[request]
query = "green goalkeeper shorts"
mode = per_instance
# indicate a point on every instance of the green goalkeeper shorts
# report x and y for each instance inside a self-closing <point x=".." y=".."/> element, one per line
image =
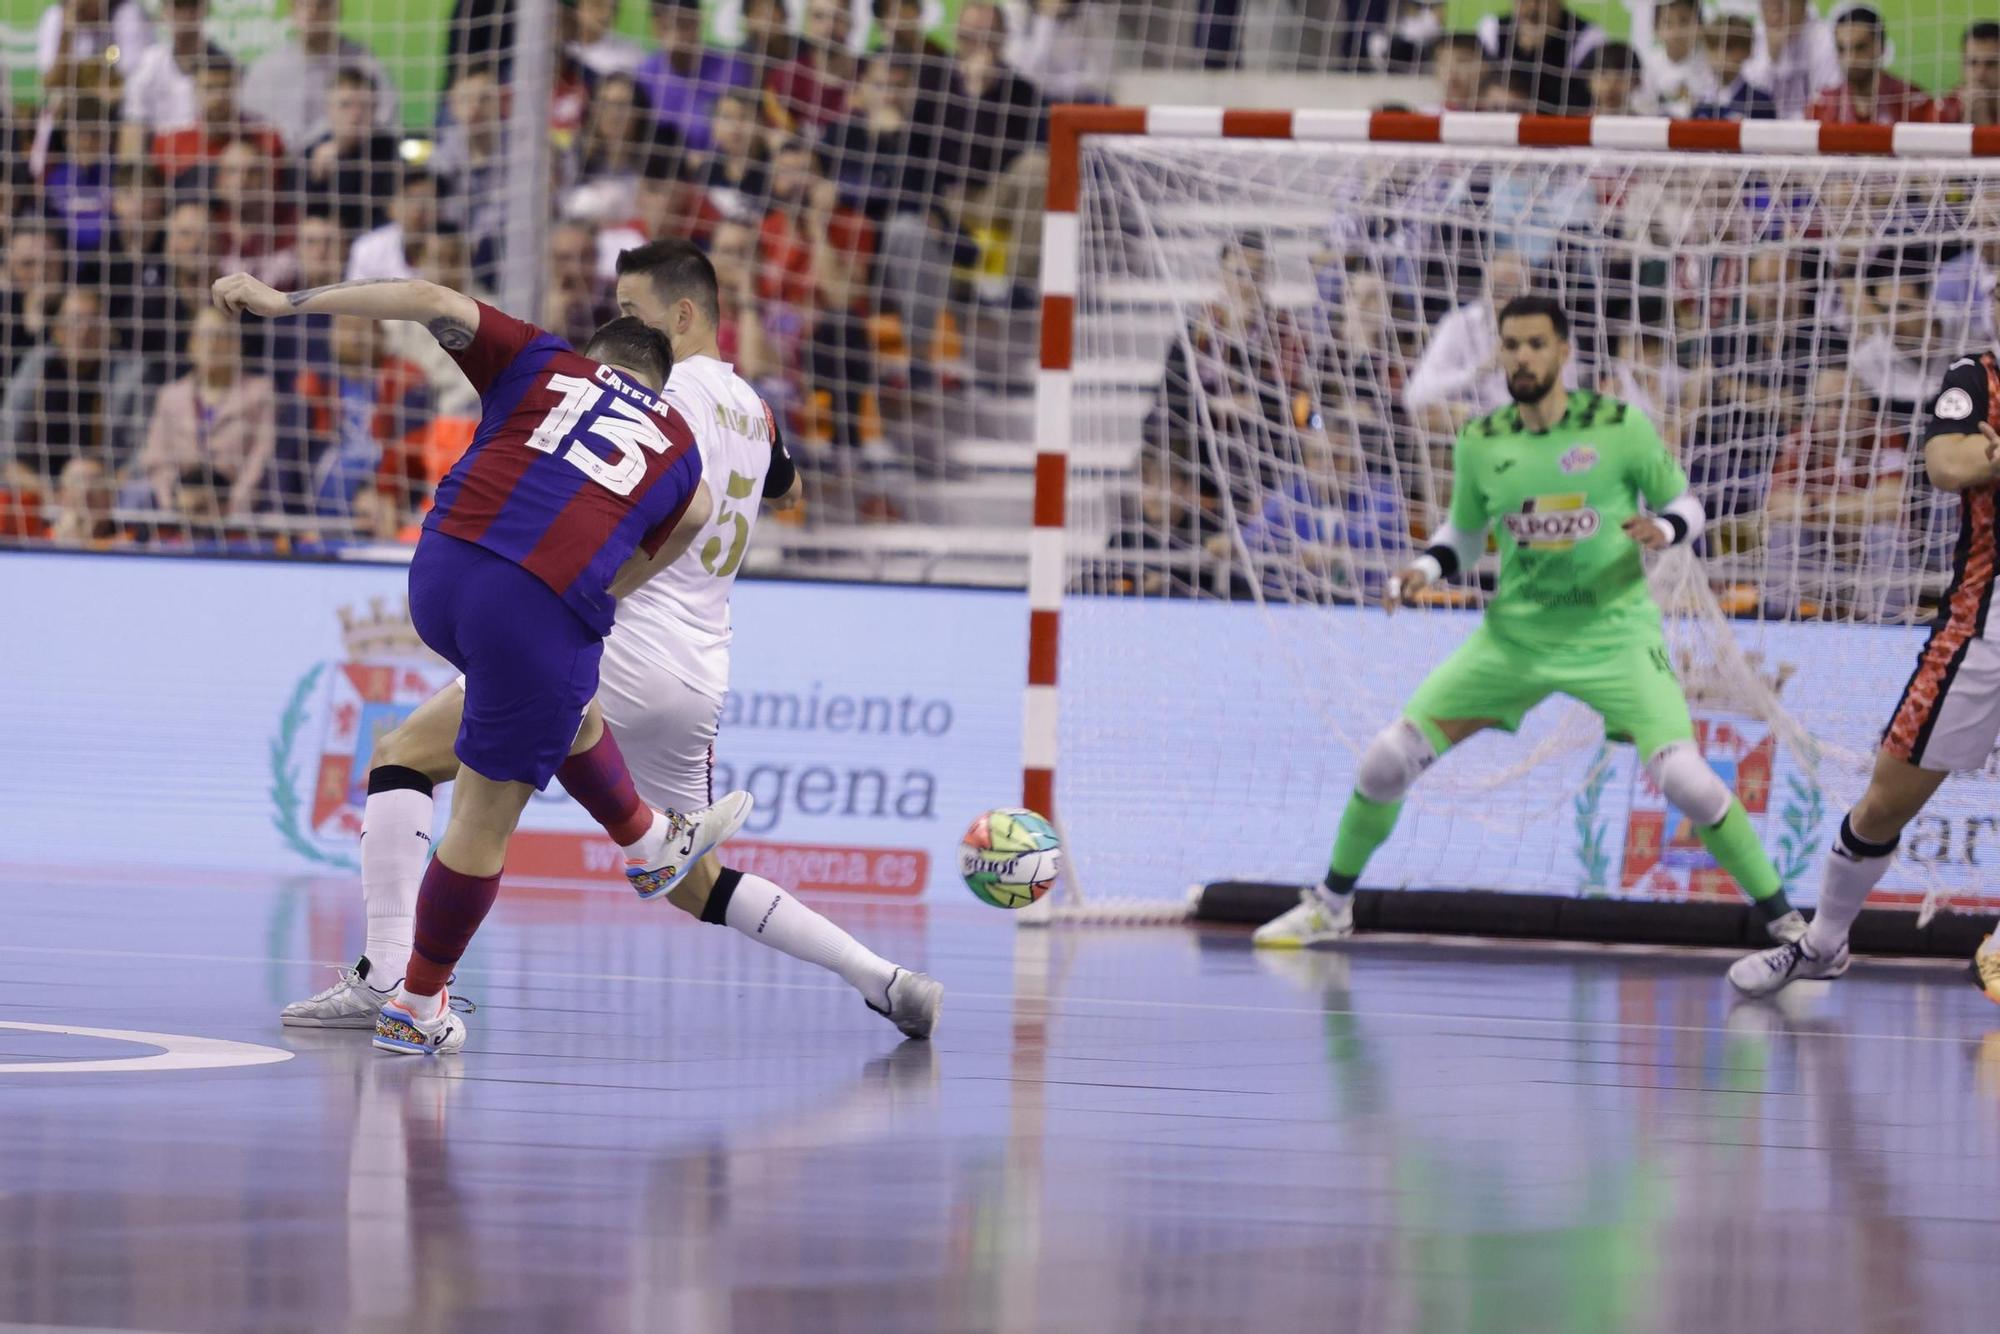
<point x="1631" y="687"/>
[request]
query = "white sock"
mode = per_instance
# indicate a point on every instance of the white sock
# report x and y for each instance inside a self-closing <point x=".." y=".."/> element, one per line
<point x="770" y="916"/>
<point x="423" y="1007"/>
<point x="1853" y="867"/>
<point x="395" y="845"/>
<point x="647" y="849"/>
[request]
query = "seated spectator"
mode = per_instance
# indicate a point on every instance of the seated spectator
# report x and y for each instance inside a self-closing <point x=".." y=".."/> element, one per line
<point x="447" y="262"/>
<point x="815" y="255"/>
<point x="159" y="82"/>
<point x="809" y="92"/>
<point x="1547" y="40"/>
<point x="353" y="168"/>
<point x="85" y="495"/>
<point x="901" y="33"/>
<point x="1067" y="48"/>
<point x="1644" y="371"/>
<point x="768" y="44"/>
<point x="68" y="399"/>
<point x="867" y="152"/>
<point x="732" y="248"/>
<point x="1614" y="72"/>
<point x="604" y="50"/>
<point x="1898" y="356"/>
<point x="619" y="140"/>
<point x="734" y="178"/>
<point x="1976" y="100"/>
<point x="291" y="87"/>
<point x="569" y="96"/>
<point x="1328" y="527"/>
<point x="361" y="416"/>
<point x="284" y="348"/>
<point x="256" y="230"/>
<point x="1459" y="65"/>
<point x="683" y="79"/>
<point x="471" y="165"/>
<point x="76" y="187"/>
<point x="118" y="269"/>
<point x="1677" y="76"/>
<point x="215" y="416"/>
<point x="1967" y="280"/>
<point x="1163" y="530"/>
<point x="1867" y="93"/>
<point x="220" y="122"/>
<point x="386" y="252"/>
<point x="172" y="290"/>
<point x="1459" y="376"/>
<point x="1728" y="40"/>
<point x="1796" y="58"/>
<point x="34" y="286"/>
<point x="575" y="300"/>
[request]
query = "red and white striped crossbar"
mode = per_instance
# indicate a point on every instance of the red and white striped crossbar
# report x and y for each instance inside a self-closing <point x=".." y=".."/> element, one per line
<point x="1069" y="124"/>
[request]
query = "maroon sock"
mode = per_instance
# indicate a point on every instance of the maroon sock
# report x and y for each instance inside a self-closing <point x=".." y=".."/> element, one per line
<point x="450" y="907"/>
<point x="601" y="784"/>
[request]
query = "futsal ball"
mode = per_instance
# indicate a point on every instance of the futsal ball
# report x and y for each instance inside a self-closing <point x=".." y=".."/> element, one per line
<point x="1009" y="858"/>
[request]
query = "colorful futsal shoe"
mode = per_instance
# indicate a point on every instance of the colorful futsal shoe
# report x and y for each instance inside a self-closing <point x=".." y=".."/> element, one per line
<point x="1321" y="918"/>
<point x="348" y="1003"/>
<point x="399" y="1032"/>
<point x="1769" y="971"/>
<point x="914" y="1002"/>
<point x="1986" y="966"/>
<point x="686" y="839"/>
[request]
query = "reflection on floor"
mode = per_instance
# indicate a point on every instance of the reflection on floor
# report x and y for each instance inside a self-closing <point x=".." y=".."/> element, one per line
<point x="658" y="1126"/>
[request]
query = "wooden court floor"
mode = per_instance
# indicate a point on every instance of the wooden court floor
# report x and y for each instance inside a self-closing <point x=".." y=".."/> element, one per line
<point x="657" y="1126"/>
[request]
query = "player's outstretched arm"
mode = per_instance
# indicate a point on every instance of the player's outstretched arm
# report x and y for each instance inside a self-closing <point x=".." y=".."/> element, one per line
<point x="641" y="566"/>
<point x="452" y="317"/>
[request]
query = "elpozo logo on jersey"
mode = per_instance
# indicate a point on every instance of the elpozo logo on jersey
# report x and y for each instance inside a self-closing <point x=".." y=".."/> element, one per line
<point x="1553" y="523"/>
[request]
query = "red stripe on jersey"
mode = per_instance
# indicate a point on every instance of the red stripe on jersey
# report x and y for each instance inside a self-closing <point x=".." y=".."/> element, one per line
<point x="498" y="465"/>
<point x="579" y="532"/>
<point x="1925" y="693"/>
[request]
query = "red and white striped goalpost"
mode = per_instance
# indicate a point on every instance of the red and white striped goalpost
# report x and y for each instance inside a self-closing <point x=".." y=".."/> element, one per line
<point x="1069" y="125"/>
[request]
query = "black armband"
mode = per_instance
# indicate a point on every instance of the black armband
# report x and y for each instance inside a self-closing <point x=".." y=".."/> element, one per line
<point x="1446" y="557"/>
<point x="782" y="474"/>
<point x="1678" y="525"/>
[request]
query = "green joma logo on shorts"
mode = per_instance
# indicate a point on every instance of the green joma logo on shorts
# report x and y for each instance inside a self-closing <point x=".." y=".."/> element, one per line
<point x="1553" y="523"/>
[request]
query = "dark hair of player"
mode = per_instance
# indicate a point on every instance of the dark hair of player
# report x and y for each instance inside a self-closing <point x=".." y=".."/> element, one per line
<point x="635" y="345"/>
<point x="679" y="271"/>
<point x="1986" y="30"/>
<point x="1526" y="307"/>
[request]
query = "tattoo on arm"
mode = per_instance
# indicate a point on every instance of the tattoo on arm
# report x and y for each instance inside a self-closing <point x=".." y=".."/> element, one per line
<point x="298" y="299"/>
<point x="452" y="335"/>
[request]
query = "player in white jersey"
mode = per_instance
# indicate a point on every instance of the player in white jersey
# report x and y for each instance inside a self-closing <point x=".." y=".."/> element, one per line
<point x="661" y="686"/>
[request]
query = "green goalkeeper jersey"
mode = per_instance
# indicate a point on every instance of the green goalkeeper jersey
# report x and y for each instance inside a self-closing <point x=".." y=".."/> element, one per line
<point x="1569" y="576"/>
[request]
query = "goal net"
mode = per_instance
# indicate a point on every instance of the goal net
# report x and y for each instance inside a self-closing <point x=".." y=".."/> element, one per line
<point x="1270" y="346"/>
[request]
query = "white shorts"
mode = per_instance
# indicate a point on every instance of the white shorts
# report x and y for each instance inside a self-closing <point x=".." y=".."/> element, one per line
<point x="665" y="729"/>
<point x="664" y="726"/>
<point x="1949" y="716"/>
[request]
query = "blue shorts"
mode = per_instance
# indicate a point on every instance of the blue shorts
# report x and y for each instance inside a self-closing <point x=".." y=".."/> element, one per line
<point x="530" y="663"/>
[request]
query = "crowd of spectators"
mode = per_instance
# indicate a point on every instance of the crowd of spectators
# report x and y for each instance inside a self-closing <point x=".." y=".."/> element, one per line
<point x="1784" y="326"/>
<point x="870" y="199"/>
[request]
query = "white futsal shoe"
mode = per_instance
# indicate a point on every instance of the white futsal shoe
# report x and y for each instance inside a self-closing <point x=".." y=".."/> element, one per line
<point x="1321" y="918"/>
<point x="1768" y="971"/>
<point x="348" y="1003"/>
<point x="914" y="1002"/>
<point x="399" y="1032"/>
<point x="684" y="841"/>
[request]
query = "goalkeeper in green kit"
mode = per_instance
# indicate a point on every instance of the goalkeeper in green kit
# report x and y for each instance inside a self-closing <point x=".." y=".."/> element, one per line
<point x="1562" y="474"/>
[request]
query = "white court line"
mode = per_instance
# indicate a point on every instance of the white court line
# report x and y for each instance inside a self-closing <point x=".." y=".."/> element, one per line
<point x="1056" y="1004"/>
<point x="177" y="1052"/>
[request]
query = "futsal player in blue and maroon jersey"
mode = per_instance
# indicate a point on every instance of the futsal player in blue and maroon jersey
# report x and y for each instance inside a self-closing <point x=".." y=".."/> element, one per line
<point x="578" y="486"/>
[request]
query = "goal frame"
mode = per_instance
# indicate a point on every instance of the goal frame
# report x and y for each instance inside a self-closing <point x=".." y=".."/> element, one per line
<point x="1070" y="125"/>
